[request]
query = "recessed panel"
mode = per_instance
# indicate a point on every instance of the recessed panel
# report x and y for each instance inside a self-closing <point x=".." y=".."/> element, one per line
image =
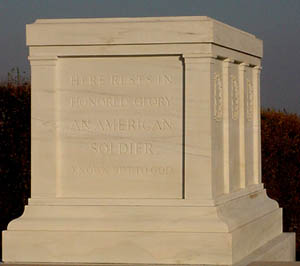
<point x="119" y="127"/>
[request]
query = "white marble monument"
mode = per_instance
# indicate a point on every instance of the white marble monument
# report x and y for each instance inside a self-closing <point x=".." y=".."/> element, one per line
<point x="146" y="146"/>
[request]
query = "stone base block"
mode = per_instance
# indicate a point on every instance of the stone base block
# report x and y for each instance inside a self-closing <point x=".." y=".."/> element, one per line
<point x="281" y="248"/>
<point x="224" y="234"/>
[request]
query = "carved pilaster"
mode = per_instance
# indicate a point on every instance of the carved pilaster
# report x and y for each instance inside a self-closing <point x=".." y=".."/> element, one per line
<point x="43" y="127"/>
<point x="226" y="156"/>
<point x="256" y="126"/>
<point x="199" y="181"/>
<point x="242" y="82"/>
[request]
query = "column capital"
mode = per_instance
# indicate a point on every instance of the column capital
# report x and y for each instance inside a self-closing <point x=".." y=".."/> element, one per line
<point x="257" y="68"/>
<point x="242" y="66"/>
<point x="227" y="62"/>
<point x="43" y="60"/>
<point x="197" y="57"/>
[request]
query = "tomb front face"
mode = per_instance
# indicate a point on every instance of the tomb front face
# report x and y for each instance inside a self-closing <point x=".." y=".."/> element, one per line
<point x="119" y="127"/>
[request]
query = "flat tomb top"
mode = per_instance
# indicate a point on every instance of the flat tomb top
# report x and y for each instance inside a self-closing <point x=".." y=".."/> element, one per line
<point x="149" y="30"/>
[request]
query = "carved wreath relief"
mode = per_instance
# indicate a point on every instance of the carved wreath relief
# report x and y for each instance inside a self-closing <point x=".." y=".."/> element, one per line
<point x="249" y="100"/>
<point x="235" y="98"/>
<point x="218" y="98"/>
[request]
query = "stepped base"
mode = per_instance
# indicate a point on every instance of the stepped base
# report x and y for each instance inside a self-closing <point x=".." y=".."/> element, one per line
<point x="238" y="231"/>
<point x="282" y="248"/>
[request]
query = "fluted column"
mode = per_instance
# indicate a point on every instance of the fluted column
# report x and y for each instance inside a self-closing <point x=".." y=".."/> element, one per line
<point x="226" y="154"/>
<point x="242" y="85"/>
<point x="256" y="127"/>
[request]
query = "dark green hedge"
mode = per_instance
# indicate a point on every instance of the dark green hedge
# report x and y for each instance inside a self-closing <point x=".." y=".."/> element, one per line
<point x="280" y="158"/>
<point x="14" y="152"/>
<point x="280" y="144"/>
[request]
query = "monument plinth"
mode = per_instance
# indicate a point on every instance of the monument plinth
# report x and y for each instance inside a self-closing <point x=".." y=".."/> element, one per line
<point x="146" y="146"/>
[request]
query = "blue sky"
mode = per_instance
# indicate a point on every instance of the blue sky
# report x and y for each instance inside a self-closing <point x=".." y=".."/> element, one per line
<point x="276" y="22"/>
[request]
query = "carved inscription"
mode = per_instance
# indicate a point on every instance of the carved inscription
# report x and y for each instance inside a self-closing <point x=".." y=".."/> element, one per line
<point x="122" y="148"/>
<point x="118" y="101"/>
<point x="235" y="98"/>
<point x="218" y="97"/>
<point x="122" y="125"/>
<point x="95" y="170"/>
<point x="135" y="79"/>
